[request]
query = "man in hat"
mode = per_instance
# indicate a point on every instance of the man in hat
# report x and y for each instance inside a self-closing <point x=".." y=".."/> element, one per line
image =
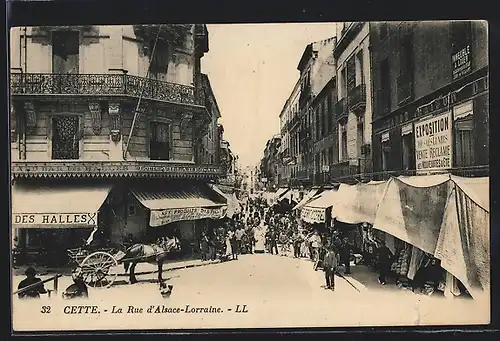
<point x="36" y="290"/>
<point x="330" y="264"/>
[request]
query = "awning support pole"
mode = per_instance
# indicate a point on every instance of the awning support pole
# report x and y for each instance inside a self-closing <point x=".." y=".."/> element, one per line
<point x="136" y="112"/>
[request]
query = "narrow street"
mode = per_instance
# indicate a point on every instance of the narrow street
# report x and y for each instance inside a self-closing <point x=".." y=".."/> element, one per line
<point x="278" y="291"/>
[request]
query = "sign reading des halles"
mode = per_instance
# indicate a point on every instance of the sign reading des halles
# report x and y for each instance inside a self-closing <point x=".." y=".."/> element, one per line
<point x="163" y="217"/>
<point x="54" y="219"/>
<point x="109" y="167"/>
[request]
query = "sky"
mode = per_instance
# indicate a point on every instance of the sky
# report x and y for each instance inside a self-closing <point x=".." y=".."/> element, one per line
<point x="252" y="69"/>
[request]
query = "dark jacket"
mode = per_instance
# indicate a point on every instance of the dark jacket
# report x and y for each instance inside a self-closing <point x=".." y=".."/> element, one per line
<point x="330" y="260"/>
<point x="35" y="291"/>
<point x="385" y="255"/>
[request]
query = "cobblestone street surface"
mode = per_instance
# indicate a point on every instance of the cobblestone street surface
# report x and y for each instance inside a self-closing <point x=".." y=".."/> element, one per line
<point x="278" y="291"/>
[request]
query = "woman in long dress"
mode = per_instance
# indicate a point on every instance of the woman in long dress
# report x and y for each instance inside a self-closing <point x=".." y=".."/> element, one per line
<point x="229" y="249"/>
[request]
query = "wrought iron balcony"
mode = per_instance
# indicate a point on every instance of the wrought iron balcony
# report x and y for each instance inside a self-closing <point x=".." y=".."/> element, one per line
<point x="341" y="109"/>
<point x="357" y="98"/>
<point x="405" y="87"/>
<point x="350" y="169"/>
<point x="49" y="84"/>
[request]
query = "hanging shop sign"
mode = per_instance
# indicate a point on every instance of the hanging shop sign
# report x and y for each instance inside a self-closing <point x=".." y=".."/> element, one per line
<point x="313" y="215"/>
<point x="163" y="217"/>
<point x="433" y="144"/>
<point x="461" y="62"/>
<point x="33" y="220"/>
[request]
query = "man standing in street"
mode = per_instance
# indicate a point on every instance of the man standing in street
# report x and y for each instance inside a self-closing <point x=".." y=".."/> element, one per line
<point x="384" y="262"/>
<point x="330" y="264"/>
<point x="239" y="237"/>
<point x="345" y="257"/>
<point x="273" y="240"/>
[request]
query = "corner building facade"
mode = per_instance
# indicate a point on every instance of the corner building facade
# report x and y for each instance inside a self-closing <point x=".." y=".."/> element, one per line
<point x="109" y="129"/>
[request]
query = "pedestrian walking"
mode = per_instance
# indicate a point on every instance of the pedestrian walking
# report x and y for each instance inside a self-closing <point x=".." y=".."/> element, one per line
<point x="204" y="246"/>
<point x="345" y="257"/>
<point x="273" y="237"/>
<point x="238" y="235"/>
<point x="385" y="257"/>
<point x="330" y="265"/>
<point x="229" y="244"/>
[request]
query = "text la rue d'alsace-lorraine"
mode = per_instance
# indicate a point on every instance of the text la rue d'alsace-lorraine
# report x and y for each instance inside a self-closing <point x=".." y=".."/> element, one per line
<point x="153" y="309"/>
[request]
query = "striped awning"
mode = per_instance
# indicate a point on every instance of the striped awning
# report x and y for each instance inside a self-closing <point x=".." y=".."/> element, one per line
<point x="179" y="201"/>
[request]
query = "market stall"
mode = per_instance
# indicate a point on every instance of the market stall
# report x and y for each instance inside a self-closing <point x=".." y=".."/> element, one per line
<point x="310" y="195"/>
<point x="445" y="217"/>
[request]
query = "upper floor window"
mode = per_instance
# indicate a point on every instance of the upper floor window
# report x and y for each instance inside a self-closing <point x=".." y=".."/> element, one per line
<point x="159" y="147"/>
<point x="65" y="52"/>
<point x="461" y="34"/>
<point x="65" y="140"/>
<point x="383" y="31"/>
<point x="159" y="60"/>
<point x="351" y="74"/>
<point x="406" y="55"/>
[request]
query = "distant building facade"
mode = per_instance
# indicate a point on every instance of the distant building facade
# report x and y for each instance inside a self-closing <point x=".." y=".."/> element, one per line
<point x="317" y="68"/>
<point x="353" y="111"/>
<point x="270" y="163"/>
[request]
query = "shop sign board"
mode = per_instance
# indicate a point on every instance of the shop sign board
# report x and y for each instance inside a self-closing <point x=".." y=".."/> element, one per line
<point x="433" y="144"/>
<point x="53" y="220"/>
<point x="461" y="62"/>
<point x="167" y="216"/>
<point x="313" y="215"/>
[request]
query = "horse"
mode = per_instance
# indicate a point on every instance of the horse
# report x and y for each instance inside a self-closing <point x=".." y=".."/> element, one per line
<point x="152" y="253"/>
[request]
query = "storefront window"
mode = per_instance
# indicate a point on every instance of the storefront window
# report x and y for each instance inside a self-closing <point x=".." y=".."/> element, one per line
<point x="408" y="152"/>
<point x="464" y="142"/>
<point x="463" y="135"/>
<point x="386" y="150"/>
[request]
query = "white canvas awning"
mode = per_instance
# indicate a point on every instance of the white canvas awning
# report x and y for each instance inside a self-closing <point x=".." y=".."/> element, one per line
<point x="57" y="206"/>
<point x="181" y="201"/>
<point x="315" y="210"/>
<point x="307" y="197"/>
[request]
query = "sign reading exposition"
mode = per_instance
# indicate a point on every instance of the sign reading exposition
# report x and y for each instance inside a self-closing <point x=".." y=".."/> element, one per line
<point x="163" y="217"/>
<point x="433" y="143"/>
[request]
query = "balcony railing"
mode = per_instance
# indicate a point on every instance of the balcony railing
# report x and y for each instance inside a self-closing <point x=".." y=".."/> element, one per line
<point x="341" y="109"/>
<point x="405" y="87"/>
<point x="103" y="85"/>
<point x="357" y="97"/>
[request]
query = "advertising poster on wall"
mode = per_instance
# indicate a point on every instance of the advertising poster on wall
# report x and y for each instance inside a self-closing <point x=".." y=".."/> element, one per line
<point x="433" y="144"/>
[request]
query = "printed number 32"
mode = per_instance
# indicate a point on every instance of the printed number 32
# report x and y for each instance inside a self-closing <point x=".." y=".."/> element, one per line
<point x="45" y="309"/>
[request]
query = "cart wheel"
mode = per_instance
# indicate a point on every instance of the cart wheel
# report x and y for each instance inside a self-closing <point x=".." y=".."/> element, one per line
<point x="97" y="269"/>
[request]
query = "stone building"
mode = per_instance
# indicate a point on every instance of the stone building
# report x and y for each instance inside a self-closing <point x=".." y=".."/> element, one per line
<point x="269" y="165"/>
<point x="317" y="68"/>
<point x="431" y="80"/>
<point x="106" y="122"/>
<point x="353" y="111"/>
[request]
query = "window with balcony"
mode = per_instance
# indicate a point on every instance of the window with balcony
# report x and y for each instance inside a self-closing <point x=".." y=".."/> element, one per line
<point x="65" y="138"/>
<point x="65" y="52"/>
<point x="385" y="86"/>
<point x="322" y="120"/>
<point x="343" y="83"/>
<point x="159" y="147"/>
<point x="359" y="63"/>
<point x="328" y="114"/>
<point x="159" y="60"/>
<point x="343" y="141"/>
<point x="461" y="34"/>
<point x="360" y="136"/>
<point x="405" y="79"/>
<point x="318" y="124"/>
<point x="351" y="74"/>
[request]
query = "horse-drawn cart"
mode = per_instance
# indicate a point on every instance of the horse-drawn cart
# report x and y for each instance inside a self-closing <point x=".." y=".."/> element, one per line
<point x="99" y="268"/>
<point x="96" y="267"/>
